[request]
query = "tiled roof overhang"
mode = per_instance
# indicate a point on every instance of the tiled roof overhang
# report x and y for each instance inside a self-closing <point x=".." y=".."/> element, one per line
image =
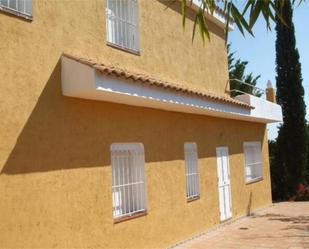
<point x="137" y="77"/>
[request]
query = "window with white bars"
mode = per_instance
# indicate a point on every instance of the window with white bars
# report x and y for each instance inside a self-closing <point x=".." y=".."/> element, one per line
<point x="253" y="161"/>
<point x="122" y="24"/>
<point x="19" y="6"/>
<point x="192" y="175"/>
<point x="128" y="165"/>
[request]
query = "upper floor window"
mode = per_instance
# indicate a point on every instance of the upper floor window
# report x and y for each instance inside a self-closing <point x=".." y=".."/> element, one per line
<point x="23" y="7"/>
<point x="128" y="165"/>
<point x="253" y="161"/>
<point x="122" y="24"/>
<point x="192" y="175"/>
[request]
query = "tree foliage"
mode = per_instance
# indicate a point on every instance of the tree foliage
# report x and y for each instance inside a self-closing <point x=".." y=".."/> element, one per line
<point x="244" y="17"/>
<point x="290" y="158"/>
<point x="237" y="69"/>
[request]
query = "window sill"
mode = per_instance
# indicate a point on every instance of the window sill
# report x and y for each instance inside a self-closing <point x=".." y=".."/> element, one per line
<point x="254" y="180"/>
<point x="122" y="48"/>
<point x="16" y="13"/>
<point x="129" y="217"/>
<point x="193" y="198"/>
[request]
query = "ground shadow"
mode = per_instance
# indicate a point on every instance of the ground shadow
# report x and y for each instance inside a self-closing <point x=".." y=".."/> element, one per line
<point x="301" y="219"/>
<point x="294" y="220"/>
<point x="301" y="228"/>
<point x="300" y="222"/>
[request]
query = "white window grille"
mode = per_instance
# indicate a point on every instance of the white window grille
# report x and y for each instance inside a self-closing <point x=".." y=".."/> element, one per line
<point x="128" y="165"/>
<point x="192" y="175"/>
<point x="122" y="24"/>
<point x="253" y="161"/>
<point x="19" y="6"/>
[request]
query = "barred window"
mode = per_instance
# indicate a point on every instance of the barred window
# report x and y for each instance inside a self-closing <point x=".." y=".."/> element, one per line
<point x="122" y="24"/>
<point x="17" y="6"/>
<point x="192" y="175"/>
<point x="128" y="165"/>
<point x="253" y="161"/>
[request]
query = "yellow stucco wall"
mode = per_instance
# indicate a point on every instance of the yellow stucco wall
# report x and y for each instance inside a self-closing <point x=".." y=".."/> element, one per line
<point x="55" y="173"/>
<point x="78" y="27"/>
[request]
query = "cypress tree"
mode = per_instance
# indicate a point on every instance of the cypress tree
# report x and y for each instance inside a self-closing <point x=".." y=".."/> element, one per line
<point x="290" y="162"/>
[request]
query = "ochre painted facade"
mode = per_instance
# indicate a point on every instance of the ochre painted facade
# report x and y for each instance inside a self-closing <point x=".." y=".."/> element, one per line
<point x="55" y="169"/>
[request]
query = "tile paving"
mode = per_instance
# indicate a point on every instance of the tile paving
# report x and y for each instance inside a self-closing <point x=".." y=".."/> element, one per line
<point x="284" y="225"/>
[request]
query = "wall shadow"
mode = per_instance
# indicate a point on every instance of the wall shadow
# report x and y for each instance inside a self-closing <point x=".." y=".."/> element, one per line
<point x="65" y="133"/>
<point x="249" y="206"/>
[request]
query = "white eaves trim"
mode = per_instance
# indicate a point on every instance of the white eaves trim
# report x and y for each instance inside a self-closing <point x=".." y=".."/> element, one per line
<point x="83" y="81"/>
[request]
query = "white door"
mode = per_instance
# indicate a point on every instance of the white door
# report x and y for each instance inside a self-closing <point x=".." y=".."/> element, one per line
<point x="224" y="183"/>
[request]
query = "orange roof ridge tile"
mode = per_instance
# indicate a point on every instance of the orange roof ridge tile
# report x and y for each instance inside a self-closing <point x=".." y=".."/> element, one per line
<point x="118" y="72"/>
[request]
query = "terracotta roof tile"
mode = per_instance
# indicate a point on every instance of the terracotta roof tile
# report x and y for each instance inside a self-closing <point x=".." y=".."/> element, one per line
<point x="118" y="72"/>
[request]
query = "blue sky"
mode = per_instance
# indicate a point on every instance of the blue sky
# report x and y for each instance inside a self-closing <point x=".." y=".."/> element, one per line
<point x="259" y="51"/>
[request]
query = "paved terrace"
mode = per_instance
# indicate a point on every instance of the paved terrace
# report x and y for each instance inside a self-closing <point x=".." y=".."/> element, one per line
<point x="283" y="225"/>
